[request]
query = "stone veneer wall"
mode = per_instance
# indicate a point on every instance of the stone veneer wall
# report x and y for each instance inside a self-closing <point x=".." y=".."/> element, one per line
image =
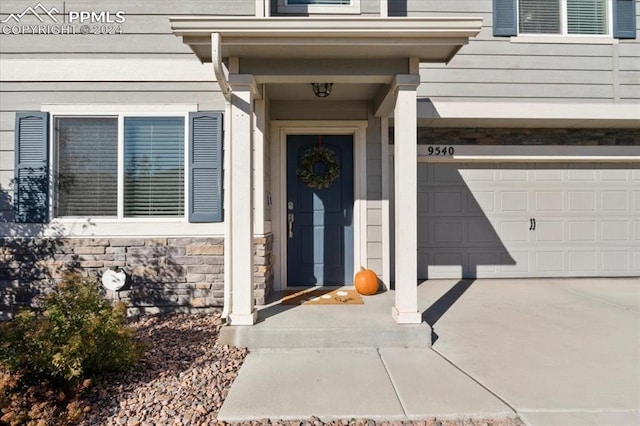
<point x="490" y="136"/>
<point x="263" y="260"/>
<point x="167" y="274"/>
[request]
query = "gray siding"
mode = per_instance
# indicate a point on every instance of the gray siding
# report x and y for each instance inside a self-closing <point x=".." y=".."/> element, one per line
<point x="146" y="36"/>
<point x="144" y="7"/>
<point x="497" y="69"/>
<point x="629" y="66"/>
<point x="267" y="164"/>
<point x="374" y="194"/>
<point x="146" y="30"/>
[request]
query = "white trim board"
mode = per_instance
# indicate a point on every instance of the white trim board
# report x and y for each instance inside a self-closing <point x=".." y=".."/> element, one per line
<point x="279" y="132"/>
<point x="300" y="37"/>
<point x="441" y="109"/>
<point x="530" y="153"/>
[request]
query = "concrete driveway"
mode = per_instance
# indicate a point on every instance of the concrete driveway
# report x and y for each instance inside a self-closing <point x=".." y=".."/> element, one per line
<point x="554" y="352"/>
<point x="558" y="351"/>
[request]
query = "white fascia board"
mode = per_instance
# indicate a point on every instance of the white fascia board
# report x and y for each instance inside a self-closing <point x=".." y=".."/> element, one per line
<point x="107" y="70"/>
<point x="330" y="37"/>
<point x="343" y="27"/>
<point x="436" y="109"/>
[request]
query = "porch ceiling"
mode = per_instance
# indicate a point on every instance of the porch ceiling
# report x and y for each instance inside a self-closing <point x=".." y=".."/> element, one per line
<point x="430" y="39"/>
<point x="340" y="92"/>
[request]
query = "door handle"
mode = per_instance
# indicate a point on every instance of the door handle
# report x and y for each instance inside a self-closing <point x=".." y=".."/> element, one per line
<point x="290" y="218"/>
<point x="532" y="224"/>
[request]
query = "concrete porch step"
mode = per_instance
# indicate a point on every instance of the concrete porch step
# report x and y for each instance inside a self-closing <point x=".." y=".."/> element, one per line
<point x="368" y="325"/>
<point x="257" y="337"/>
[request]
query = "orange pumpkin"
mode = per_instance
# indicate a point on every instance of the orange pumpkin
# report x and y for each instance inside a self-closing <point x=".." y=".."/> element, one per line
<point x="366" y="282"/>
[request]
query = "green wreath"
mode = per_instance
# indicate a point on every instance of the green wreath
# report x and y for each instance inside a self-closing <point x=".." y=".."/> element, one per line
<point x="318" y="154"/>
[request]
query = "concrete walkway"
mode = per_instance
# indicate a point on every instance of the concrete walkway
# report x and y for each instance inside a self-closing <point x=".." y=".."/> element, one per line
<point x="554" y="352"/>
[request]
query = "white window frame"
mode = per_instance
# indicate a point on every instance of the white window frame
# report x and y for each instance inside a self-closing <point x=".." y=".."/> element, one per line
<point x="564" y="24"/>
<point x="119" y="112"/>
<point x="319" y="9"/>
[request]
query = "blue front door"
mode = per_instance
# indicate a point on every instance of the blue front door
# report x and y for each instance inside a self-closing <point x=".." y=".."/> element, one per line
<point x="319" y="221"/>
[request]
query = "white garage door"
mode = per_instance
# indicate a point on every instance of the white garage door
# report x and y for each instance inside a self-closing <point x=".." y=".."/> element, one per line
<point x="528" y="220"/>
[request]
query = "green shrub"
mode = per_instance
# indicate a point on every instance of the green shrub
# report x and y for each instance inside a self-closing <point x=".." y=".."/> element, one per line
<point x="78" y="334"/>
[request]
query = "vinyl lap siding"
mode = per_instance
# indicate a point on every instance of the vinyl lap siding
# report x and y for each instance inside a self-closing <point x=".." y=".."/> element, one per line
<point x="146" y="30"/>
<point x="23" y="96"/>
<point x="496" y="69"/>
<point x="629" y="75"/>
<point x="374" y="198"/>
<point x="130" y="68"/>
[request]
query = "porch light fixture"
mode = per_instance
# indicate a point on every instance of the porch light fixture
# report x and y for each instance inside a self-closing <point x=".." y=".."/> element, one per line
<point x="322" y="90"/>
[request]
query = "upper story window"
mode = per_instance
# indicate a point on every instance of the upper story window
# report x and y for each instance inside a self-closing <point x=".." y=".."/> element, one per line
<point x="566" y="18"/>
<point x="319" y="6"/>
<point x="570" y="17"/>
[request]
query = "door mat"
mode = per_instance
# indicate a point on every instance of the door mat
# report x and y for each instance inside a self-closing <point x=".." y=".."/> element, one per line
<point x="322" y="297"/>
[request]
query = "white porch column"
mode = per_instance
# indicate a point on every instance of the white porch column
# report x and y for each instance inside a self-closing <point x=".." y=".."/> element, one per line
<point x="405" y="310"/>
<point x="241" y="206"/>
<point x="259" y="109"/>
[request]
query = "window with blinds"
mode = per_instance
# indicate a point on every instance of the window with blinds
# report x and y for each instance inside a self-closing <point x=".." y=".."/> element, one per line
<point x="154" y="166"/>
<point x="328" y="2"/>
<point x="121" y="166"/>
<point x="540" y="17"/>
<point x="312" y="7"/>
<point x="587" y="16"/>
<point x="563" y="16"/>
<point x="87" y="166"/>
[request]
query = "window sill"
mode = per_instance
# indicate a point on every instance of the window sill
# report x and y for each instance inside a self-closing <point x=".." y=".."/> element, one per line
<point x="139" y="227"/>
<point x="558" y="39"/>
<point x="78" y="219"/>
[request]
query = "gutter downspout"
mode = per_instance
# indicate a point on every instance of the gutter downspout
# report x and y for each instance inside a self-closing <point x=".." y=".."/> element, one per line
<point x="222" y="76"/>
<point x="219" y="69"/>
<point x="226" y="301"/>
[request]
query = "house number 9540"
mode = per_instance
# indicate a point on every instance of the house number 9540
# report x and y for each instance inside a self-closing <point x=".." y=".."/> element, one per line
<point x="440" y="150"/>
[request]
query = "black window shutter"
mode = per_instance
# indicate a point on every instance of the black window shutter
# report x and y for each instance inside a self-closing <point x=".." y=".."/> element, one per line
<point x="205" y="171"/>
<point x="624" y="18"/>
<point x="31" y="184"/>
<point x="505" y="19"/>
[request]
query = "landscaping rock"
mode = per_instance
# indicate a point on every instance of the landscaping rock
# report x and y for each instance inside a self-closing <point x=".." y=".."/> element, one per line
<point x="185" y="375"/>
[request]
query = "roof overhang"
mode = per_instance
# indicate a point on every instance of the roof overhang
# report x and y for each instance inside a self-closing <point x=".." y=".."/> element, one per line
<point x="444" y="113"/>
<point x="430" y="39"/>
